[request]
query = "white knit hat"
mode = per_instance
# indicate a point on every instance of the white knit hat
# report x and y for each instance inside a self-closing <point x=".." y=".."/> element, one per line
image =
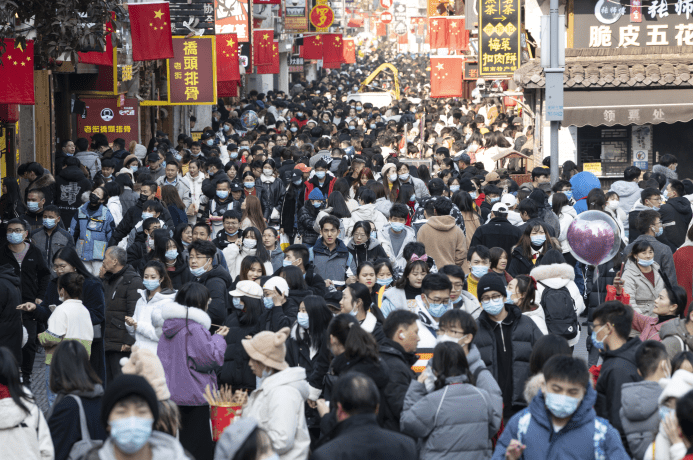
<point x="678" y="385"/>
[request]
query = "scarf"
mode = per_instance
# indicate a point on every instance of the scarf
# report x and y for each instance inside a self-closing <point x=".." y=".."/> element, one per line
<point x="4" y="392"/>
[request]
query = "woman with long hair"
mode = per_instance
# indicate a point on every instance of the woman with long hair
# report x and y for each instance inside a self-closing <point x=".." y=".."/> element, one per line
<point x="384" y="278"/>
<point x="66" y="261"/>
<point x="183" y="235"/>
<point x="466" y="205"/>
<point x="250" y="244"/>
<point x="169" y="253"/>
<point x="171" y="199"/>
<point x="270" y="240"/>
<point x="405" y="290"/>
<point x="566" y="214"/>
<point x="342" y="186"/>
<point x="455" y="387"/>
<point x="69" y="321"/>
<point x="195" y="177"/>
<point x="499" y="263"/>
<point x="406" y="195"/>
<point x="293" y="201"/>
<point x="25" y="433"/>
<point x="390" y="180"/>
<point x="533" y="244"/>
<point x="357" y="301"/>
<point x="251" y="269"/>
<point x="252" y="214"/>
<point x="361" y="181"/>
<point x="185" y="337"/>
<point x="363" y="246"/>
<point x="145" y="324"/>
<point x="641" y="278"/>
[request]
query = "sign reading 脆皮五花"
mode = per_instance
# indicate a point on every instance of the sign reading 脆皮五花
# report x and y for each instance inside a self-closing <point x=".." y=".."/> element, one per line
<point x="607" y="24"/>
<point x="499" y="37"/>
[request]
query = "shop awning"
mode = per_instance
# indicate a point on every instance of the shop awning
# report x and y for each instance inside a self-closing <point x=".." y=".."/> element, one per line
<point x="627" y="107"/>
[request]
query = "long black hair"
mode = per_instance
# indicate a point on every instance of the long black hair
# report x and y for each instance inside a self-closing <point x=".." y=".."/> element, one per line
<point x="356" y="341"/>
<point x="70" y="256"/>
<point x="449" y="360"/>
<point x="319" y="316"/>
<point x="70" y="369"/>
<point x="260" y="251"/>
<point x="9" y="376"/>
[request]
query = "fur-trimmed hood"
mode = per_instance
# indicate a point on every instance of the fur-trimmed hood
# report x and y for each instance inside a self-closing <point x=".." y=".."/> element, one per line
<point x="554" y="276"/>
<point x="45" y="180"/>
<point x="178" y="311"/>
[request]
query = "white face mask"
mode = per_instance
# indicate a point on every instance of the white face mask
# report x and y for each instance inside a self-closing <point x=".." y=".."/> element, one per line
<point x="612" y="205"/>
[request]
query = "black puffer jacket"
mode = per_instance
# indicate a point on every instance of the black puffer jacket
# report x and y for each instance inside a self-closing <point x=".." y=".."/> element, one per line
<point x="293" y="201"/>
<point x="275" y="194"/>
<point x="519" y="264"/>
<point x="595" y="294"/>
<point x="120" y="291"/>
<point x="70" y="183"/>
<point x="361" y="254"/>
<point x="523" y="334"/>
<point x="34" y="273"/>
<point x="306" y="220"/>
<point x="676" y="210"/>
<point x="399" y="363"/>
<point x="235" y="371"/>
<point x="131" y="218"/>
<point x="10" y="317"/>
<point x="218" y="281"/>
<point x="263" y="194"/>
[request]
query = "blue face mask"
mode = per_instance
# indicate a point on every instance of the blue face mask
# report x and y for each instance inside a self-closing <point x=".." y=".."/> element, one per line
<point x="538" y="240"/>
<point x="493" y="307"/>
<point x="231" y="234"/>
<point x="227" y="128"/>
<point x="233" y="155"/>
<point x="163" y="164"/>
<point x="664" y="411"/>
<point x="508" y="296"/>
<point x="178" y="156"/>
<point x="33" y="206"/>
<point x="598" y="344"/>
<point x="147" y="215"/>
<point x="656" y="208"/>
<point x="454" y="188"/>
<point x="48" y="223"/>
<point x="479" y="270"/>
<point x="249" y="185"/>
<point x="134" y="168"/>
<point x="474" y="195"/>
<point x="438" y="309"/>
<point x="303" y="320"/>
<point x="373" y="126"/>
<point x="131" y="434"/>
<point x="352" y="127"/>
<point x="15" y="238"/>
<point x="287" y="263"/>
<point x="107" y="177"/>
<point x="259" y="380"/>
<point x="197" y="272"/>
<point x="645" y="263"/>
<point x="298" y="182"/>
<point x="374" y="235"/>
<point x="223" y="194"/>
<point x="493" y="200"/>
<point x="320" y="174"/>
<point x="561" y="406"/>
<point x="171" y="254"/>
<point x="412" y="198"/>
<point x="404" y="177"/>
<point x="151" y="284"/>
<point x="237" y="303"/>
<point x="244" y="147"/>
<point x="569" y="194"/>
<point x="385" y="281"/>
<point x="269" y="303"/>
<point x="317" y="205"/>
<point x="397" y="226"/>
<point x="210" y="142"/>
<point x="659" y="232"/>
<point x="293" y="129"/>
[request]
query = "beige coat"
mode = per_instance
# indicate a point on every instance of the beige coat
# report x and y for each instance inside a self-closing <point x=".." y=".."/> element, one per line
<point x="642" y="293"/>
<point x="444" y="241"/>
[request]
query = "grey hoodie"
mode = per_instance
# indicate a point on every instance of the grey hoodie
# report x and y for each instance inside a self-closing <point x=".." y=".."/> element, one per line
<point x="277" y="258"/>
<point x="640" y="415"/>
<point x="164" y="447"/>
<point x="628" y="193"/>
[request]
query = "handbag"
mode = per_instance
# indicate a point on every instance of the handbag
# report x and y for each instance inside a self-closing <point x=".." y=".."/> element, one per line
<point x="84" y="445"/>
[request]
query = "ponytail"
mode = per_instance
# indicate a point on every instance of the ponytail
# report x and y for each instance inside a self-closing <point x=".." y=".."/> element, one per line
<point x="357" y="342"/>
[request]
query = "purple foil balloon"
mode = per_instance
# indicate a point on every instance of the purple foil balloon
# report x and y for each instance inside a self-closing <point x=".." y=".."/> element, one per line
<point x="591" y="241"/>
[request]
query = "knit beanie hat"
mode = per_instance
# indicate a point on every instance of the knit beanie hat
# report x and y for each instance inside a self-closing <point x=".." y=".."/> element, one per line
<point x="490" y="282"/>
<point x="128" y="385"/>
<point x="678" y="385"/>
<point x="147" y="364"/>
<point x="316" y="194"/>
<point x="234" y="437"/>
<point x="268" y="348"/>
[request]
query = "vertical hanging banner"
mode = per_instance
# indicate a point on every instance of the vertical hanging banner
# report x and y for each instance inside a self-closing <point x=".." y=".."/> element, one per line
<point x="17" y="74"/>
<point x="227" y="58"/>
<point x="273" y="66"/>
<point x="150" y="27"/>
<point x="191" y="73"/>
<point x="438" y="31"/>
<point x="296" y="16"/>
<point x="446" y="76"/>
<point x="499" y="37"/>
<point x="458" y="36"/>
<point x="349" y="51"/>
<point x="263" y="40"/>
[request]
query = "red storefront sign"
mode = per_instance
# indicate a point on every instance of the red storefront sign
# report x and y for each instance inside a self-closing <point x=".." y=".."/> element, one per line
<point x="104" y="116"/>
<point x="191" y="72"/>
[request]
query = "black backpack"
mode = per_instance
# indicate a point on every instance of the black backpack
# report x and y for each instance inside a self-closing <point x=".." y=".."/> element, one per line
<point x="561" y="313"/>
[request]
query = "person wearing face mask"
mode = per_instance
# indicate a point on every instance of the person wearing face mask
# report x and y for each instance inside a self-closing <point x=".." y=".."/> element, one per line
<point x="70" y="183"/>
<point x="444" y="240"/>
<point x="530" y="249"/>
<point x="493" y="194"/>
<point x="676" y="213"/>
<point x="356" y="301"/>
<point x="307" y="216"/>
<point x="215" y="278"/>
<point x="454" y="387"/>
<point x="362" y="246"/>
<point x="34" y="213"/>
<point x="650" y="200"/>
<point x="51" y="237"/>
<point x="145" y="324"/>
<point x="186" y="336"/>
<point x="92" y="228"/>
<point x="505" y="340"/>
<point x="69" y="321"/>
<point x="651" y="231"/>
<point x="285" y="423"/>
<point x="560" y="420"/>
<point x="250" y="244"/>
<point x="242" y="438"/>
<point x="642" y="279"/>
<point x="396" y="235"/>
<point x="611" y="328"/>
<point x="498" y="232"/>
<point x="293" y="200"/>
<point x="275" y="189"/>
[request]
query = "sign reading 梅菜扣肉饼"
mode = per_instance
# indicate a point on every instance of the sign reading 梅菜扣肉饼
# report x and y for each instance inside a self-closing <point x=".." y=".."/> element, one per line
<point x="605" y="24"/>
<point x="499" y="37"/>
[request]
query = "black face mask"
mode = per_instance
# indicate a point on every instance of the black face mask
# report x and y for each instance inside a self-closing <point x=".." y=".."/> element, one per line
<point x="143" y="198"/>
<point x="94" y="199"/>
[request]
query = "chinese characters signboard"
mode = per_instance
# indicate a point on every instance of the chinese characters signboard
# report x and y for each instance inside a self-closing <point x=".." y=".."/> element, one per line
<point x="471" y="71"/>
<point x="192" y="15"/>
<point x="104" y="116"/>
<point x="641" y="145"/>
<point x="657" y="23"/>
<point x="232" y="18"/>
<point x="296" y="18"/>
<point x="499" y="37"/>
<point x="191" y="72"/>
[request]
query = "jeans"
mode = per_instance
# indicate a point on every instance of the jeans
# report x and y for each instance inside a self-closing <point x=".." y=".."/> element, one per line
<point x="49" y="394"/>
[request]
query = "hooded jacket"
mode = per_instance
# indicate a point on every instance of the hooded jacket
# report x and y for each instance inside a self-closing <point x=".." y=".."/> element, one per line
<point x="662" y="255"/>
<point x="218" y="281"/>
<point x="582" y="183"/>
<point x="522" y="332"/>
<point x="444" y="241"/>
<point x="642" y="292"/>
<point x="566" y="218"/>
<point x="163" y="447"/>
<point x="10" y="317"/>
<point x="24" y="435"/>
<point x="557" y="276"/>
<point x="363" y="253"/>
<point x="307" y="216"/>
<point x="276" y="258"/>
<point x="70" y="184"/>
<point x="234" y="257"/>
<point x="666" y="172"/>
<point x="91" y="160"/>
<point x="677" y="210"/>
<point x="618" y="368"/>
<point x="460" y="219"/>
<point x="367" y="212"/>
<point x="49" y="245"/>
<point x="278" y="407"/>
<point x="189" y="353"/>
<point x="182" y="186"/>
<point x="640" y="415"/>
<point x="675" y="337"/>
<point x="498" y="232"/>
<point x="573" y="441"/>
<point x="628" y="194"/>
<point x="445" y="431"/>
<point x="398" y="262"/>
<point x="132" y="217"/>
<point x="149" y="319"/>
<point x="333" y="265"/>
<point x="45" y="183"/>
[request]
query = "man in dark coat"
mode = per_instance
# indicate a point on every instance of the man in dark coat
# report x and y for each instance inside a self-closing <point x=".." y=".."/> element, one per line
<point x="676" y="213"/>
<point x="402" y="335"/>
<point x="133" y="216"/>
<point x="499" y="232"/>
<point x="10" y="317"/>
<point x="70" y="183"/>
<point x="216" y="279"/>
<point x="120" y="285"/>
<point x="357" y="436"/>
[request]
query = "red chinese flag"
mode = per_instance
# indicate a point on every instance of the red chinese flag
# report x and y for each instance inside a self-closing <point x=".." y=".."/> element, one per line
<point x="446" y="76"/>
<point x="227" y="58"/>
<point x="333" y="49"/>
<point x="403" y="39"/>
<point x="332" y="65"/>
<point x="17" y="74"/>
<point x="458" y="36"/>
<point x="273" y="66"/>
<point x="438" y="30"/>
<point x="227" y="88"/>
<point x="312" y="47"/>
<point x="349" y="52"/>
<point x="380" y="29"/>
<point x="150" y="24"/>
<point x="263" y="40"/>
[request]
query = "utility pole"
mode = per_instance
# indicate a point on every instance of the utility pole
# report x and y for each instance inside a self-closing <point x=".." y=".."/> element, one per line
<point x="554" y="79"/>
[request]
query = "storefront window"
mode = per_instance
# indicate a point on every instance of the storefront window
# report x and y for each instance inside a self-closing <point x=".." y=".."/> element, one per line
<point x="608" y="146"/>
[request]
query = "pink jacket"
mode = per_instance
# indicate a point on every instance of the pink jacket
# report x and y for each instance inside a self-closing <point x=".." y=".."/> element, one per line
<point x="647" y="326"/>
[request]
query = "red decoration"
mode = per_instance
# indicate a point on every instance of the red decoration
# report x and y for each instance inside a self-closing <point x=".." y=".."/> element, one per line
<point x="150" y="24"/>
<point x="17" y="74"/>
<point x="349" y="52"/>
<point x="263" y="40"/>
<point x="438" y="31"/>
<point x="227" y="88"/>
<point x="273" y="66"/>
<point x="458" y="36"/>
<point x="332" y="49"/>
<point x="312" y="47"/>
<point x="380" y="29"/>
<point x="9" y="113"/>
<point x="227" y="58"/>
<point x="446" y="76"/>
<point x="100" y="58"/>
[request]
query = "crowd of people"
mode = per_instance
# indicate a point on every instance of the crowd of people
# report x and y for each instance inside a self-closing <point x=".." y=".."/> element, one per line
<point x="371" y="303"/>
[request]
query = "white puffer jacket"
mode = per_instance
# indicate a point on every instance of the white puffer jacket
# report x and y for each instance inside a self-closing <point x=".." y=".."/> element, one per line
<point x="148" y="318"/>
<point x="24" y="436"/>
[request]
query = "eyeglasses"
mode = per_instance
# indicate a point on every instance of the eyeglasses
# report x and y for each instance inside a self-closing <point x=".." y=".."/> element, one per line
<point x="15" y="230"/>
<point x="494" y="298"/>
